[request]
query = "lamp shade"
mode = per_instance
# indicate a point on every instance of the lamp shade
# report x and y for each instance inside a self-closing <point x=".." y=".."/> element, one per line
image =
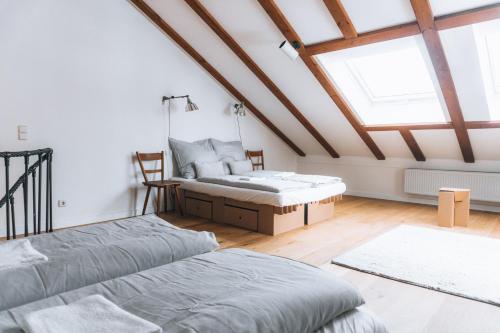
<point x="239" y="109"/>
<point x="190" y="106"/>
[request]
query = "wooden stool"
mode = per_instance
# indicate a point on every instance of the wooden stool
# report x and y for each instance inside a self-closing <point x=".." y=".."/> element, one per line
<point x="454" y="206"/>
<point x="167" y="185"/>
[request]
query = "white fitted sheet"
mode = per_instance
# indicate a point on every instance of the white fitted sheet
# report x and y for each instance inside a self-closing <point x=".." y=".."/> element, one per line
<point x="282" y="199"/>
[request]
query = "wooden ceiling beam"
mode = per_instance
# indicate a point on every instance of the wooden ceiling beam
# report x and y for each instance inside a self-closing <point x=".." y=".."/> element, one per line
<point x="425" y="19"/>
<point x="397" y="127"/>
<point x="287" y="30"/>
<point x="468" y="17"/>
<point x="454" y="20"/>
<point x="345" y="25"/>
<point x="433" y="126"/>
<point x="482" y="124"/>
<point x="382" y="35"/>
<point x="412" y="144"/>
<point x="205" y="15"/>
<point x="341" y="18"/>
<point x="167" y="29"/>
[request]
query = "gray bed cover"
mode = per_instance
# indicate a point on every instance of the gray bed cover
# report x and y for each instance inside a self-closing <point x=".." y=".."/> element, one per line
<point x="86" y="255"/>
<point x="225" y="291"/>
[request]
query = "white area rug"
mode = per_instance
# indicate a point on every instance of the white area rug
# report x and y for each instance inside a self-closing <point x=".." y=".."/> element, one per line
<point x="458" y="264"/>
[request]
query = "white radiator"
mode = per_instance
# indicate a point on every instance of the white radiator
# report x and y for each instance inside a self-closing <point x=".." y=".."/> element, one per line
<point x="484" y="186"/>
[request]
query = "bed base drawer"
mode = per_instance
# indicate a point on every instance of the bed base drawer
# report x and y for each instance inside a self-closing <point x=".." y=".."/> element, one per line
<point x="256" y="217"/>
<point x="199" y="208"/>
<point x="241" y="217"/>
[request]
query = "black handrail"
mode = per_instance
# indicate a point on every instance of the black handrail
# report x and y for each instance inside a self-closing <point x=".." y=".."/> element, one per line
<point x="44" y="155"/>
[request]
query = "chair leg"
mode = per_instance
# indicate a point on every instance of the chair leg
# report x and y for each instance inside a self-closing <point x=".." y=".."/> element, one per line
<point x="178" y="200"/>
<point x="158" y="201"/>
<point x="165" y="197"/>
<point x="146" y="200"/>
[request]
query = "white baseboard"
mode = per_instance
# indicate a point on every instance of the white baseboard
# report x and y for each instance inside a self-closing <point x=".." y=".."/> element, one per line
<point x="417" y="200"/>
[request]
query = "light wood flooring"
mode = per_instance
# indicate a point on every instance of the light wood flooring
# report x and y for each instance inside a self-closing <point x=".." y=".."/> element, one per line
<point x="404" y="308"/>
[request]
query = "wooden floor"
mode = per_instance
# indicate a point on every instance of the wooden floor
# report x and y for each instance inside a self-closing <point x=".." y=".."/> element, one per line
<point x="404" y="308"/>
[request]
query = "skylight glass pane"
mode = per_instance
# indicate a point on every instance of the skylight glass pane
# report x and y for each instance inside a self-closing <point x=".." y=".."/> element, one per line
<point x="387" y="83"/>
<point x="381" y="84"/>
<point x="493" y="43"/>
<point x="487" y="35"/>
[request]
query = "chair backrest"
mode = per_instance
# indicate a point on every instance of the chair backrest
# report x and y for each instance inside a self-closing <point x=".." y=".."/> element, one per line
<point x="257" y="158"/>
<point x="147" y="157"/>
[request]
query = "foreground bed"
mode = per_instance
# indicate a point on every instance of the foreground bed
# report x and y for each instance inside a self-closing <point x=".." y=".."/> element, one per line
<point x="227" y="291"/>
<point x="86" y="255"/>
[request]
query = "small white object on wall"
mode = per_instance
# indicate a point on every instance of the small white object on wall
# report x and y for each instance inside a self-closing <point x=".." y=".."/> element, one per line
<point x="290" y="49"/>
<point x="22" y="132"/>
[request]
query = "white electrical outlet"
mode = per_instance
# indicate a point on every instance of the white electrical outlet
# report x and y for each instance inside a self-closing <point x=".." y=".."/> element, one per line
<point x="61" y="203"/>
<point x="22" y="132"/>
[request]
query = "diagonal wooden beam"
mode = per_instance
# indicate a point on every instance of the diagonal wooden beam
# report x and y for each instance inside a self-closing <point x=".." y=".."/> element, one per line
<point x="287" y="30"/>
<point x="381" y="35"/>
<point x="155" y="18"/>
<point x="482" y="124"/>
<point x="397" y="127"/>
<point x="486" y="13"/>
<point x="476" y="124"/>
<point x="412" y="144"/>
<point x="454" y="20"/>
<point x="341" y="17"/>
<point x="205" y="15"/>
<point x="425" y="19"/>
<point x="345" y="25"/>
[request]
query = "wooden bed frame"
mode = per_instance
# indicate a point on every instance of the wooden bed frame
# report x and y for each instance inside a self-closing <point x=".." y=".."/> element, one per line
<point x="265" y="219"/>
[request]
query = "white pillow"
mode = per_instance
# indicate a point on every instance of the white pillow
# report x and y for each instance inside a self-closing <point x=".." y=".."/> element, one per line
<point x="240" y="167"/>
<point x="209" y="169"/>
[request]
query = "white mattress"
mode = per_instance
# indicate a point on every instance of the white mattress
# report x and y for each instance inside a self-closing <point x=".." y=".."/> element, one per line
<point x="262" y="197"/>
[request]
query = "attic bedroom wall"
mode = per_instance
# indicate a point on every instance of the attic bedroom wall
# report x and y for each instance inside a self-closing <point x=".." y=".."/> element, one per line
<point x="367" y="177"/>
<point x="87" y="77"/>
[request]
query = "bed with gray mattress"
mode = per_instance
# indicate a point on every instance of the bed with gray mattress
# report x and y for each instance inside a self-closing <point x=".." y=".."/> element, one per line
<point x="173" y="277"/>
<point x="227" y="291"/>
<point x="86" y="255"/>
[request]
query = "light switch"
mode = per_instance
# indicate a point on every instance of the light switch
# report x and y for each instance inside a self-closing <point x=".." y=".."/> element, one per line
<point x="22" y="132"/>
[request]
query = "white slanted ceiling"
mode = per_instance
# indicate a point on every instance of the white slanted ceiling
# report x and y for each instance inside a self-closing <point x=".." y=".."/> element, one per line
<point x="254" y="31"/>
<point x="249" y="25"/>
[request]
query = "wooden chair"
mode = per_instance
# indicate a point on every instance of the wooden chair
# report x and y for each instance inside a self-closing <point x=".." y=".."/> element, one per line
<point x="257" y="158"/>
<point x="166" y="185"/>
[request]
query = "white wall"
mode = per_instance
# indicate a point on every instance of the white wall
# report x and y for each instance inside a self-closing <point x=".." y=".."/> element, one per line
<point x="87" y="77"/>
<point x="367" y="177"/>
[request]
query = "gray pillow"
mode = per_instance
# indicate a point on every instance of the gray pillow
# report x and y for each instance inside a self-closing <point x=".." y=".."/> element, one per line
<point x="240" y="167"/>
<point x="228" y="151"/>
<point x="185" y="153"/>
<point x="209" y="169"/>
<point x="232" y="150"/>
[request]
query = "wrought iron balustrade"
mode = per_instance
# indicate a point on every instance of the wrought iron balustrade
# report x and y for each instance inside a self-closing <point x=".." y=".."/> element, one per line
<point x="39" y="157"/>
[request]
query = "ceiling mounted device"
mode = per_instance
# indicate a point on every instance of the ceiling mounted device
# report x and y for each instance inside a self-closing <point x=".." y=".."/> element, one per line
<point x="290" y="49"/>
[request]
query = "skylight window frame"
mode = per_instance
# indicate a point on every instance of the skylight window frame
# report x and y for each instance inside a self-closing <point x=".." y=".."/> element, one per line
<point x="487" y="61"/>
<point x="403" y="98"/>
<point x="380" y="47"/>
<point x="494" y="62"/>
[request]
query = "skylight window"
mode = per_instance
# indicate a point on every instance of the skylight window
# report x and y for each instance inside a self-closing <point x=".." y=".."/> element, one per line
<point x="493" y="44"/>
<point x="394" y="85"/>
<point x="387" y="83"/>
<point x="487" y="35"/>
